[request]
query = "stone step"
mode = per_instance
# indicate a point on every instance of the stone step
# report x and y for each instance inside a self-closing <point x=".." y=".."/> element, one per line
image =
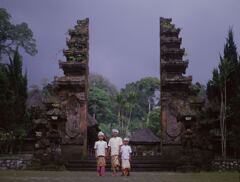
<point x="137" y="164"/>
<point x="132" y="162"/>
<point x="133" y="169"/>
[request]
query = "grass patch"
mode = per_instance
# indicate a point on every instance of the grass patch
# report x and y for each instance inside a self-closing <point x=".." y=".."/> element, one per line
<point x="69" y="176"/>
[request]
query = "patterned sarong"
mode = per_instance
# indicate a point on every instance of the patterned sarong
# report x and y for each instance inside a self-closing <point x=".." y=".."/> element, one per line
<point x="115" y="161"/>
<point x="101" y="161"/>
<point x="126" y="164"/>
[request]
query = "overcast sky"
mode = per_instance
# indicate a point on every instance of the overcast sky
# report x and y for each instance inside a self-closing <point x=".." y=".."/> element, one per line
<point x="124" y="34"/>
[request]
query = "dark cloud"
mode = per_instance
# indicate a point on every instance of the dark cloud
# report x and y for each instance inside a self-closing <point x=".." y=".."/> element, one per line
<point x="124" y="35"/>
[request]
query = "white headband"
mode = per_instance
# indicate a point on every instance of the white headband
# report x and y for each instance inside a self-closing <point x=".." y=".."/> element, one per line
<point x="115" y="131"/>
<point x="100" y="133"/>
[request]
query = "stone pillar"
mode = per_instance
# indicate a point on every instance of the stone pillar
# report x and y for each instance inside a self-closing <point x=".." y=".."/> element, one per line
<point x="174" y="85"/>
<point x="73" y="90"/>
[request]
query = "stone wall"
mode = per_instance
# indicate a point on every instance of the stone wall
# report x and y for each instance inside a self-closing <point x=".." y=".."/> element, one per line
<point x="15" y="162"/>
<point x="226" y="165"/>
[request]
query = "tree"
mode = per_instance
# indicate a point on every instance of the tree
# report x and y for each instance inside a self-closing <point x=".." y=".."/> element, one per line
<point x="4" y="95"/>
<point x="154" y="121"/>
<point x="121" y="102"/>
<point x="233" y="89"/>
<point x="213" y="92"/>
<point x="102" y="101"/>
<point x="222" y="89"/>
<point x="131" y="102"/>
<point x="234" y="134"/>
<point x="13" y="83"/>
<point x="135" y="103"/>
<point x="148" y="87"/>
<point x="198" y="89"/>
<point x="13" y="93"/>
<point x="13" y="36"/>
<point x="225" y="69"/>
<point x="100" y="106"/>
<point x="96" y="80"/>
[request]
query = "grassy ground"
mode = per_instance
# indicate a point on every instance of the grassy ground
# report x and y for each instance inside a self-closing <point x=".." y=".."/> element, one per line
<point x="66" y="176"/>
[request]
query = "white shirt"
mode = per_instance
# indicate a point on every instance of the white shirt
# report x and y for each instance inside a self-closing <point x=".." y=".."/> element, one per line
<point x="100" y="147"/>
<point x="115" y="143"/>
<point x="125" y="152"/>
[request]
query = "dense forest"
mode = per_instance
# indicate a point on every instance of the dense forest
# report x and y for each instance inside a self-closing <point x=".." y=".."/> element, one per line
<point x="137" y="105"/>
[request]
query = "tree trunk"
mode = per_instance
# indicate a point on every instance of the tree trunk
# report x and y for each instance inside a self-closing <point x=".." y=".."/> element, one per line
<point x="221" y="123"/>
<point x="129" y="121"/>
<point x="224" y="121"/>
<point x="149" y="110"/>
<point x="119" y="118"/>
<point x="122" y="122"/>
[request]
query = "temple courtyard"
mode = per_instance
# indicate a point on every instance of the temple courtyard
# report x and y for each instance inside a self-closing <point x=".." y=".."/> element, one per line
<point x="66" y="176"/>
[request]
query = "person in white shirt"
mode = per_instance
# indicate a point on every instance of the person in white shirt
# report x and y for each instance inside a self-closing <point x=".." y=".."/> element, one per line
<point x="114" y="145"/>
<point x="125" y="152"/>
<point x="101" y="152"/>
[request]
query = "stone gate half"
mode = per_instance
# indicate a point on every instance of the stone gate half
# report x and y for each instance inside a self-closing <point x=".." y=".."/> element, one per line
<point x="179" y="104"/>
<point x="72" y="91"/>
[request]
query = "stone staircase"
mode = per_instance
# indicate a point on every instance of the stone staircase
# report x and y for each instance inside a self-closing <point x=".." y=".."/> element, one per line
<point x="145" y="163"/>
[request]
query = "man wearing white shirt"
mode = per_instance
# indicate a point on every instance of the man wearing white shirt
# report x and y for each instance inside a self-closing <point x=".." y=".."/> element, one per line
<point x="114" y="145"/>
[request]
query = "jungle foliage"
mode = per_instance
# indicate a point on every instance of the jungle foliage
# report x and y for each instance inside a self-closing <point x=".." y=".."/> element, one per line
<point x="14" y="118"/>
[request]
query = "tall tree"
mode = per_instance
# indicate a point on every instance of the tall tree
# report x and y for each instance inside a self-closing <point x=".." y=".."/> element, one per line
<point x="102" y="101"/>
<point x="99" y="81"/>
<point x="231" y="55"/>
<point x="4" y="95"/>
<point x="225" y="69"/>
<point x="13" y="111"/>
<point x="13" y="36"/>
<point x="100" y="105"/>
<point x="13" y="83"/>
<point x="131" y="102"/>
<point x="222" y="89"/>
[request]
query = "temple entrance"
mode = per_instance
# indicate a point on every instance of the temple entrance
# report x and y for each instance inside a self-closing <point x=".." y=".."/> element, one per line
<point x="76" y="130"/>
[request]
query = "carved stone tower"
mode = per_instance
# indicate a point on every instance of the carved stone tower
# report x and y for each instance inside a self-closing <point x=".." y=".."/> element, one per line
<point x="174" y="85"/>
<point x="181" y="106"/>
<point x="73" y="91"/>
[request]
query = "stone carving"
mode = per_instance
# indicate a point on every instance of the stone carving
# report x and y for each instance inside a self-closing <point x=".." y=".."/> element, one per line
<point x="188" y="141"/>
<point x="73" y="118"/>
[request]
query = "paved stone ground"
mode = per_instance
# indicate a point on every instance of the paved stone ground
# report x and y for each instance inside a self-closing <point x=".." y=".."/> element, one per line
<point x="67" y="176"/>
